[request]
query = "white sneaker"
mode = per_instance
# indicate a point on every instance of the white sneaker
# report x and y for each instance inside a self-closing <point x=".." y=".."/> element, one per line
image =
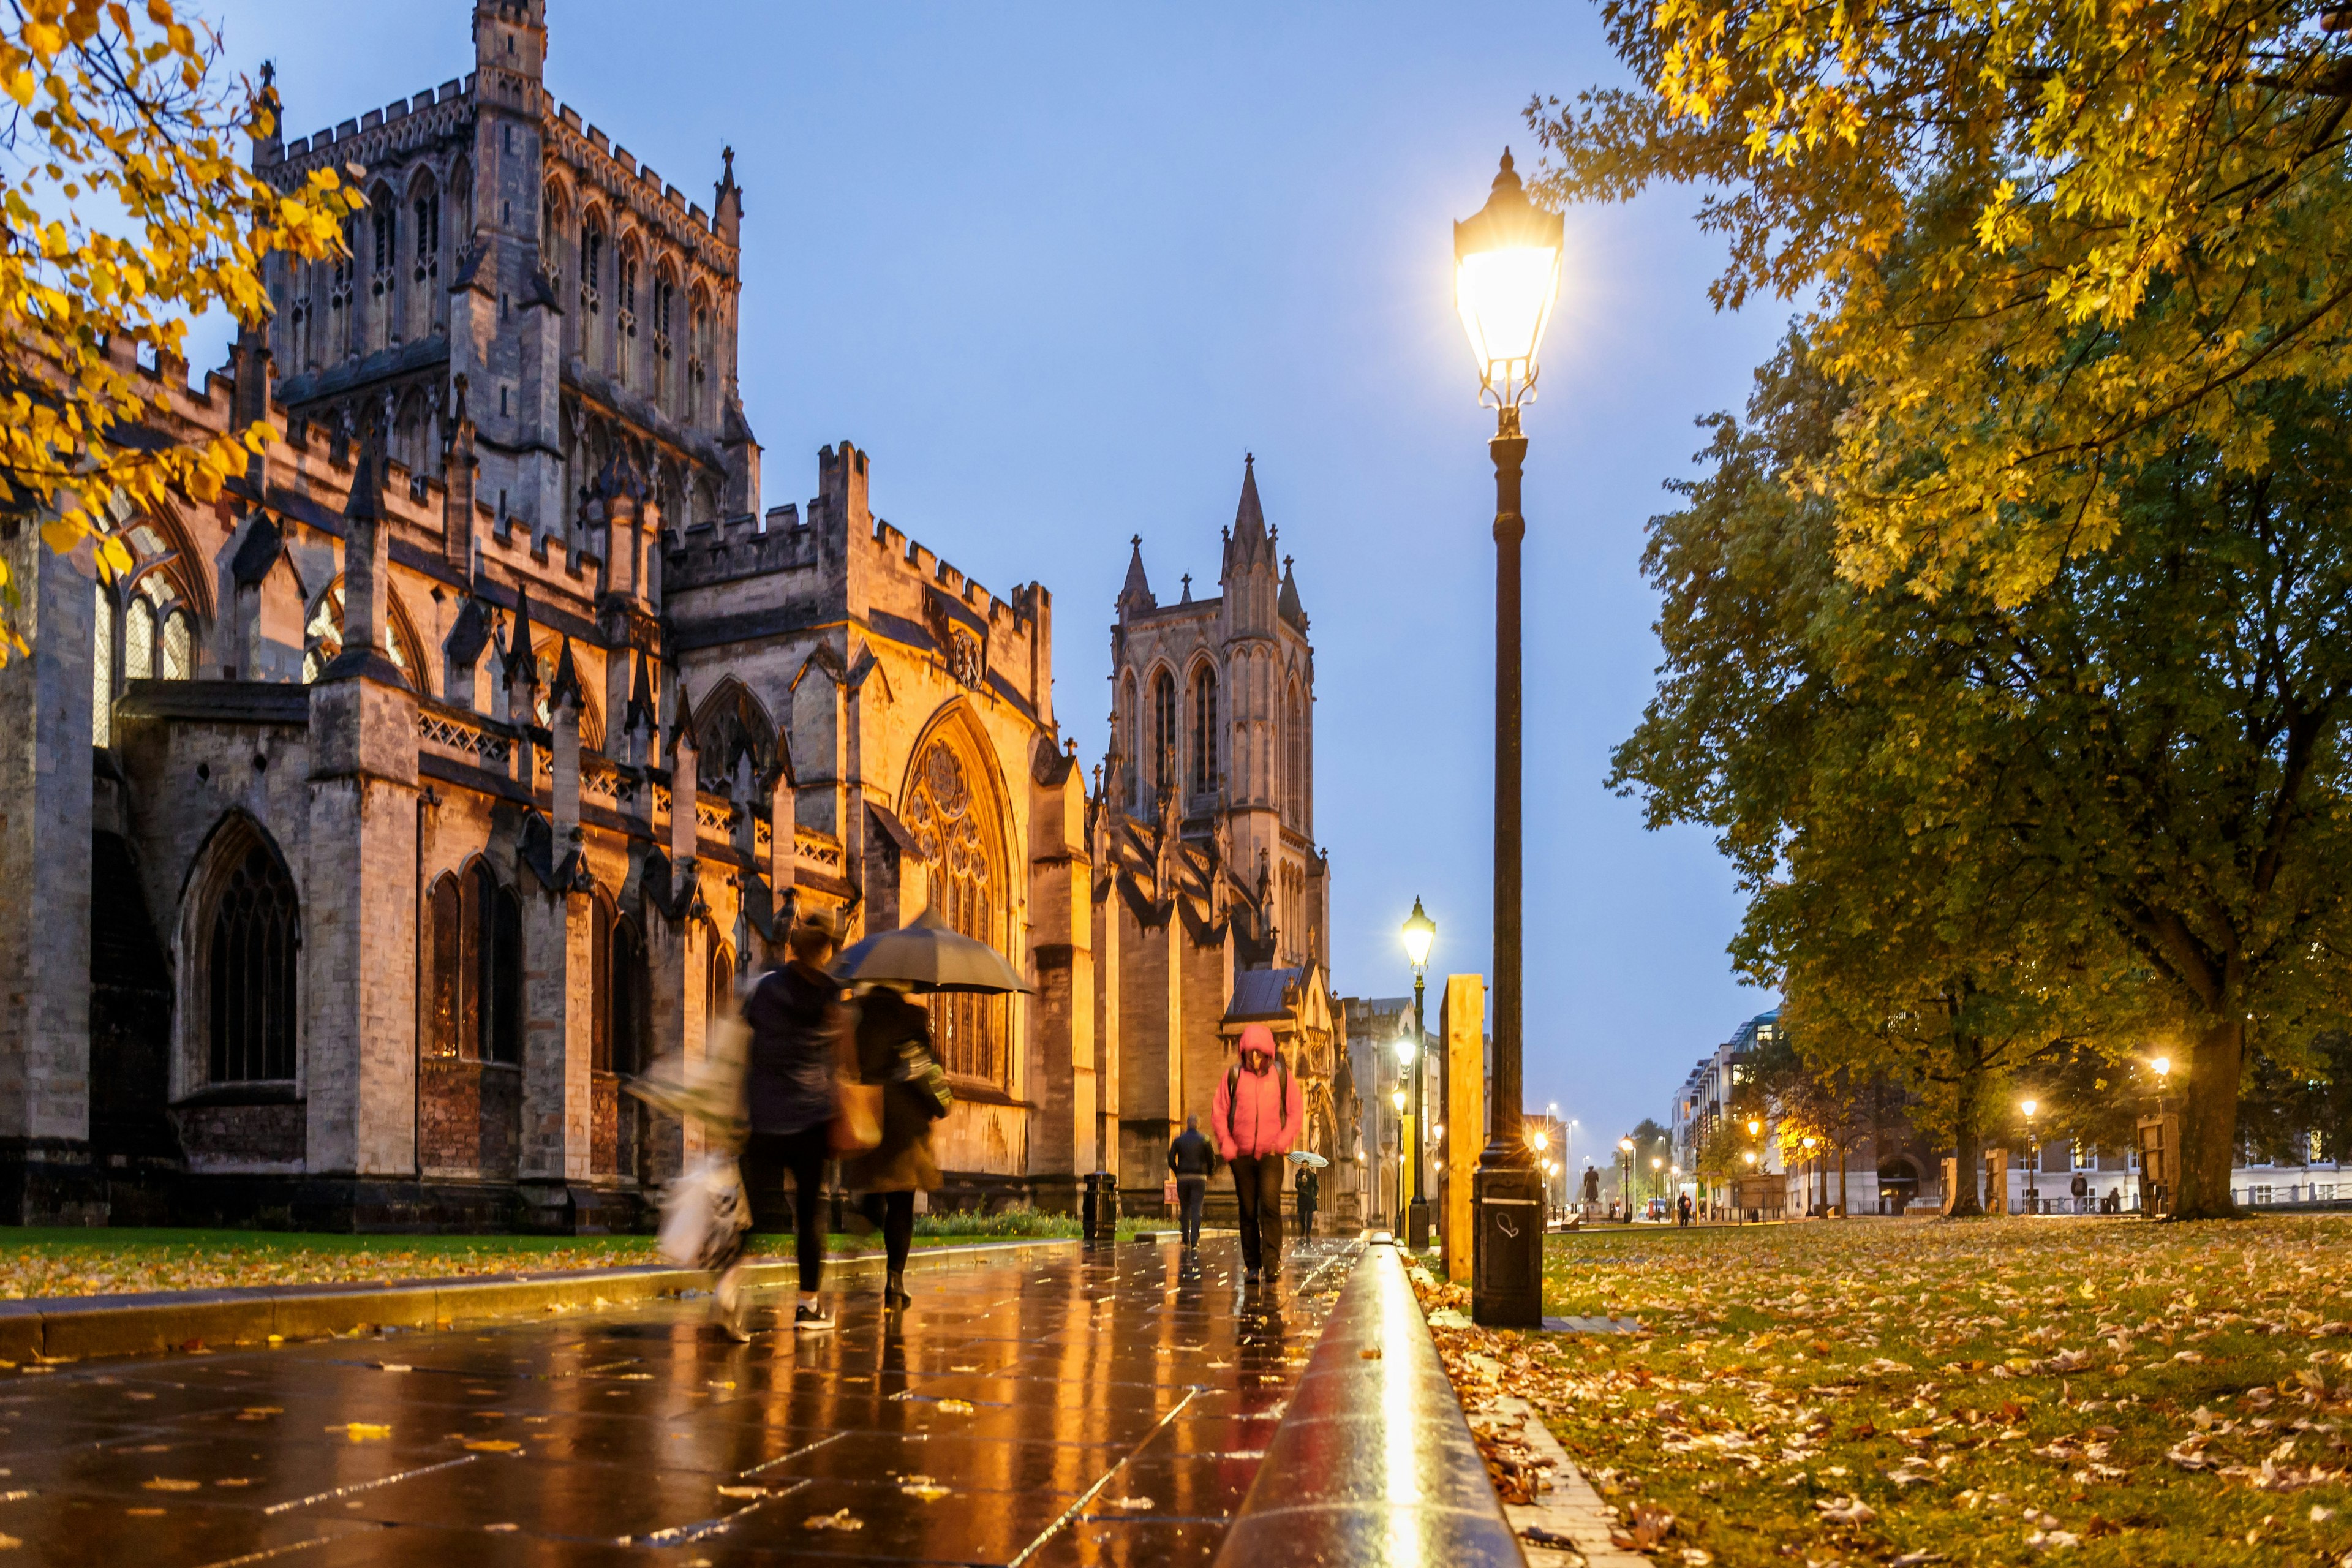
<point x="810" y="1320"/>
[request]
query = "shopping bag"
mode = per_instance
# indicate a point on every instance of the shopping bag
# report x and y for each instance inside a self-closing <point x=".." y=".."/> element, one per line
<point x="1168" y="1193"/>
<point x="705" y="1213"/>
<point x="708" y="1091"/>
<point x="856" y="1117"/>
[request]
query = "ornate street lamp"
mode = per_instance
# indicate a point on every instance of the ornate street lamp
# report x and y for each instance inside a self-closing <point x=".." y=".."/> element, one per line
<point x="1420" y="931"/>
<point x="1625" y="1148"/>
<point x="1505" y="278"/>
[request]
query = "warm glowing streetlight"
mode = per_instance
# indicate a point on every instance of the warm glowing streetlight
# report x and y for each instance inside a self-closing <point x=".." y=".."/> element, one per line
<point x="1404" y="1051"/>
<point x="1506" y="276"/>
<point x="1397" y="1099"/>
<point x="2027" y="1106"/>
<point x="1626" y="1144"/>
<point x="2163" y="1065"/>
<point x="1755" y="1128"/>
<point x="1538" y="1139"/>
<point x="1420" y="931"/>
<point x="1505" y="279"/>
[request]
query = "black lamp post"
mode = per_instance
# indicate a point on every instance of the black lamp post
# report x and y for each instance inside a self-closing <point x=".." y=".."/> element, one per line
<point x="1420" y="931"/>
<point x="1506" y="276"/>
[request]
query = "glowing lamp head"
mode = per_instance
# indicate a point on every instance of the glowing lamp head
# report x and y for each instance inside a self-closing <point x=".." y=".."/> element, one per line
<point x="2027" y="1106"/>
<point x="1751" y="1156"/>
<point x="1657" y="1164"/>
<point x="2163" y="1065"/>
<point x="1626" y="1144"/>
<point x="1420" y="931"/>
<point x="1397" y="1099"/>
<point x="1538" y="1138"/>
<point x="1809" y="1142"/>
<point x="1506" y="278"/>
<point x="1755" y="1128"/>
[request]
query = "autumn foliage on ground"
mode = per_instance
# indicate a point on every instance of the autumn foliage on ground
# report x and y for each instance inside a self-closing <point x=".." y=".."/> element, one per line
<point x="1981" y="1392"/>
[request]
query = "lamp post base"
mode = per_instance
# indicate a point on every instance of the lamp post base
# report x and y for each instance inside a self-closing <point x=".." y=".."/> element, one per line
<point x="1507" y="1268"/>
<point x="1416" y="1224"/>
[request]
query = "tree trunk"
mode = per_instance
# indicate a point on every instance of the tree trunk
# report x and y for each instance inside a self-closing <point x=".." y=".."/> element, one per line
<point x="2207" y="1098"/>
<point x="1967" y="1136"/>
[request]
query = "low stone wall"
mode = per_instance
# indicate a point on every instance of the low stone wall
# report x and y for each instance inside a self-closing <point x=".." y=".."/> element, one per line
<point x="1373" y="1461"/>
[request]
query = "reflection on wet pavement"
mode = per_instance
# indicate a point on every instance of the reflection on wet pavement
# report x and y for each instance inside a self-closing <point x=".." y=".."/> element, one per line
<point x="1042" y="1406"/>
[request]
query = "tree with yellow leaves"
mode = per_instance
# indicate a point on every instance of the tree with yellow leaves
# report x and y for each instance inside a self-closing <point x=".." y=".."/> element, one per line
<point x="124" y="214"/>
<point x="2041" y="241"/>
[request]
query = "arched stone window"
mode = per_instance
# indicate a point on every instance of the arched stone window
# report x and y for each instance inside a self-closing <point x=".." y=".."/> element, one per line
<point x="138" y="641"/>
<point x="250" y="946"/>
<point x="1294" y="745"/>
<point x="951" y="811"/>
<point x="424" y="264"/>
<point x="1131" y="721"/>
<point x="592" y="290"/>
<point x="734" y="737"/>
<point x="620" y="1017"/>
<point x="384" y="285"/>
<point x="592" y="717"/>
<point x="1163" y="738"/>
<point x="323" y="636"/>
<point x="665" y="309"/>
<point x="474" y="989"/>
<point x="1204" y="730"/>
<point x="624" y="317"/>
<point x="719" y="976"/>
<point x="698" y="363"/>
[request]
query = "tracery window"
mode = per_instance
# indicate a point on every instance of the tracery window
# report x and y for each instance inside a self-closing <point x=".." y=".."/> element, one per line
<point x="138" y="641"/>
<point x="250" y="976"/>
<point x="664" y="297"/>
<point x="1163" y="740"/>
<point x="952" y="829"/>
<point x="1204" y="730"/>
<point x="322" y="639"/>
<point x="592" y="277"/>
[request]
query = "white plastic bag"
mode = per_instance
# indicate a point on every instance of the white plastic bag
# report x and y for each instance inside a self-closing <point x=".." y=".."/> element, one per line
<point x="710" y="1090"/>
<point x="705" y="1213"/>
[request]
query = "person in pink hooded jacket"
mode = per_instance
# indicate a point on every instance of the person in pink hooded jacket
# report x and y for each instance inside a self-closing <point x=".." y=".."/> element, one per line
<point x="1255" y="1119"/>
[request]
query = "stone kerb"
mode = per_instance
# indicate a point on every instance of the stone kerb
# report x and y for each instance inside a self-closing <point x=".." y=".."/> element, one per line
<point x="1373" y="1462"/>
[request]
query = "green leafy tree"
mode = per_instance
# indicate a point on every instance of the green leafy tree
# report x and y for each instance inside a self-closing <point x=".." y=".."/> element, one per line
<point x="2118" y="812"/>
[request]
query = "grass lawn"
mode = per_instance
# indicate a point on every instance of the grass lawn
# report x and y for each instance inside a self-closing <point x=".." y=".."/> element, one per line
<point x="82" y="1262"/>
<point x="1976" y="1392"/>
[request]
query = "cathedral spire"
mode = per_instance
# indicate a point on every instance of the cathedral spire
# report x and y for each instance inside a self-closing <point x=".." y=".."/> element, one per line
<point x="1135" y="594"/>
<point x="1247" y="545"/>
<point x="1289" y="607"/>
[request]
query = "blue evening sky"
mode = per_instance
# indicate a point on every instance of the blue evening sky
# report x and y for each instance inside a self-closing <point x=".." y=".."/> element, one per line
<point x="1059" y="267"/>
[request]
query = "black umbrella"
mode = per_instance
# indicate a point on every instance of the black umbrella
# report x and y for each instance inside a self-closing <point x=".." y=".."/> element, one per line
<point x="929" y="955"/>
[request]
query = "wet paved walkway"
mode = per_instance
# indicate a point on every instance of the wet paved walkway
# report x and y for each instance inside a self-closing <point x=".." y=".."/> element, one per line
<point x="1040" y="1405"/>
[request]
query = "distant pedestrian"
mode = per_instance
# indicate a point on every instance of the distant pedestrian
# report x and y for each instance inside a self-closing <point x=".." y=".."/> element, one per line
<point x="1256" y="1118"/>
<point x="1309" y="1189"/>
<point x="894" y="1049"/>
<point x="1190" y="1157"/>
<point x="1683" y="1210"/>
<point x="798" y="1036"/>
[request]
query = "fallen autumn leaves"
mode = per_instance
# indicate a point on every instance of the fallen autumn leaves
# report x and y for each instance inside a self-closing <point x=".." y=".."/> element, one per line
<point x="1905" y="1393"/>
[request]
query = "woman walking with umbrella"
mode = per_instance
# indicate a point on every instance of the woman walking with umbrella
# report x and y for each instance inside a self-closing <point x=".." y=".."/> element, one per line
<point x="894" y="1050"/>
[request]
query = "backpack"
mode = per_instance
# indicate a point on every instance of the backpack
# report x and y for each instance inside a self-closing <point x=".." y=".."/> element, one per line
<point x="1233" y="1086"/>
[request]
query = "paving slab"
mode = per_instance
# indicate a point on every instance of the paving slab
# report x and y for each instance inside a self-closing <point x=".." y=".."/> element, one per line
<point x="1054" y="1405"/>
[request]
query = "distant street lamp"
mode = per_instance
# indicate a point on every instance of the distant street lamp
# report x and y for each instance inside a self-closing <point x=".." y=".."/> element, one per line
<point x="1625" y="1148"/>
<point x="1810" y="1206"/>
<point x="1396" y="1099"/>
<point x="1420" y="931"/>
<point x="1505" y="278"/>
<point x="2032" y="1159"/>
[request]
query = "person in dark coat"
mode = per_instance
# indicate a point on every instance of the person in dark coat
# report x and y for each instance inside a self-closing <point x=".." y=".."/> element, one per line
<point x="1190" y="1158"/>
<point x="799" y="1037"/>
<point x="1309" y="1190"/>
<point x="894" y="1049"/>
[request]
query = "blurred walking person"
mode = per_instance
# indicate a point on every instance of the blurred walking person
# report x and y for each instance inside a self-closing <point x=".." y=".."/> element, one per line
<point x="1191" y="1160"/>
<point x="799" y="1030"/>
<point x="894" y="1050"/>
<point x="1256" y="1118"/>
<point x="1309" y="1190"/>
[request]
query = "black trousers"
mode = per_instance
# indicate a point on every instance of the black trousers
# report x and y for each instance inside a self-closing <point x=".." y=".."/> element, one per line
<point x="1257" y="1191"/>
<point x="1190" y="1191"/>
<point x="1306" y="1219"/>
<point x="894" y="1213"/>
<point x="767" y="1157"/>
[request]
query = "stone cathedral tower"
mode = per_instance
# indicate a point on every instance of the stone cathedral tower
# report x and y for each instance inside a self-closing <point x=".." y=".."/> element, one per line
<point x="1215" y="897"/>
